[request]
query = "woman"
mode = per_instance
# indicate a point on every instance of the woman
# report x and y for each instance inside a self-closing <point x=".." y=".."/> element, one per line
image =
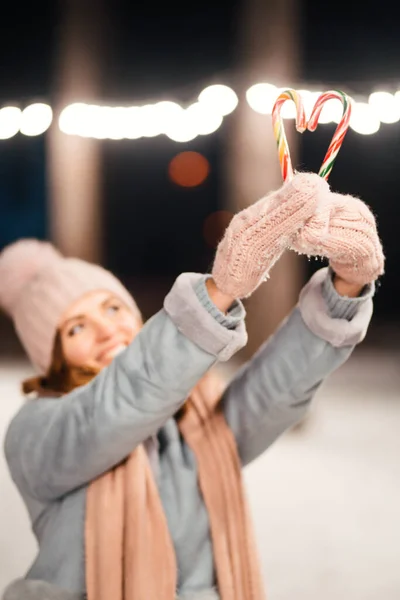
<point x="128" y="458"/>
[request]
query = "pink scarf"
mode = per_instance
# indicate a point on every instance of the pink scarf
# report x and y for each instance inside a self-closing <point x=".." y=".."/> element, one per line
<point x="129" y="551"/>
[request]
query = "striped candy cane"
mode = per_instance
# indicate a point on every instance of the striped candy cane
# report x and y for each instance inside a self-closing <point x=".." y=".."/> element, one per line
<point x="341" y="129"/>
<point x="279" y="130"/>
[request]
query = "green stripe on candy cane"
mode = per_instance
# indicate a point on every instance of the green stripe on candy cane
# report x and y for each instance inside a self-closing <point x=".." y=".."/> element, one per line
<point x="341" y="129"/>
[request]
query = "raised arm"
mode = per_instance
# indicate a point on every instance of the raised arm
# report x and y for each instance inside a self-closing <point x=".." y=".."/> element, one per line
<point x="56" y="445"/>
<point x="274" y="390"/>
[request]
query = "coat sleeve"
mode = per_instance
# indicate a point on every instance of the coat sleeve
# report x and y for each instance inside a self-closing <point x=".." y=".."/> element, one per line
<point x="274" y="390"/>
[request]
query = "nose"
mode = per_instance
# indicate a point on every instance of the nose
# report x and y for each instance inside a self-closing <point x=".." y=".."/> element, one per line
<point x="105" y="328"/>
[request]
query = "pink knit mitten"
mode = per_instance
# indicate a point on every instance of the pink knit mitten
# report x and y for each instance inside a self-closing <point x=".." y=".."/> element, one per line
<point x="343" y="229"/>
<point x="258" y="235"/>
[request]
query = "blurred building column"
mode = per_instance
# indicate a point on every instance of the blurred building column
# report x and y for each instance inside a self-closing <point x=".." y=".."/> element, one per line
<point x="74" y="181"/>
<point x="268" y="52"/>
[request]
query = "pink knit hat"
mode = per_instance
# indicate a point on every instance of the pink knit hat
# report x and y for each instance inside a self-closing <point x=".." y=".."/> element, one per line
<point x="37" y="284"/>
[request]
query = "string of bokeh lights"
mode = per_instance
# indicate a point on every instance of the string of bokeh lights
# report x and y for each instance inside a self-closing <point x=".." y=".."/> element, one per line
<point x="183" y="124"/>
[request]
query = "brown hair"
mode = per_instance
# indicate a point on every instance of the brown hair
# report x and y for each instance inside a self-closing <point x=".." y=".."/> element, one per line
<point x="61" y="378"/>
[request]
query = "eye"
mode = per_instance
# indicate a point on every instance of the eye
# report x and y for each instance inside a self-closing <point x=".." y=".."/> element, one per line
<point x="113" y="308"/>
<point x="75" y="329"/>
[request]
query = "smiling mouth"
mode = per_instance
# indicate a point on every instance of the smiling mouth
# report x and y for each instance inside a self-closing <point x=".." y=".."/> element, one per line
<point x="113" y="352"/>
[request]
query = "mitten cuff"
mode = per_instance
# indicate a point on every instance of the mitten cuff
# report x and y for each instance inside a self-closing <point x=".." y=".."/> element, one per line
<point x="235" y="314"/>
<point x="196" y="317"/>
<point x="343" y="307"/>
<point x="319" y="309"/>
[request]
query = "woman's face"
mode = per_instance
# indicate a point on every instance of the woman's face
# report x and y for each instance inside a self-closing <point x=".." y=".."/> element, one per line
<point x="95" y="329"/>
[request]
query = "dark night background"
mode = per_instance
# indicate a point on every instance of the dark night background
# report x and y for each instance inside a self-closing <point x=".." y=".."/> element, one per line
<point x="173" y="51"/>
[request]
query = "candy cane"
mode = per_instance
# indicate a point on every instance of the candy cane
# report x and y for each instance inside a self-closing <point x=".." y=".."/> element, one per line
<point x="341" y="129"/>
<point x="279" y="130"/>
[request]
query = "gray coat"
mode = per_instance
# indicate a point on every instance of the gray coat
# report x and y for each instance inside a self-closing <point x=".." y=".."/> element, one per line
<point x="54" y="448"/>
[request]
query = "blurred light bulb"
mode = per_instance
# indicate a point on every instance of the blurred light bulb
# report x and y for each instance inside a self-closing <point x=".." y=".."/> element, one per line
<point x="10" y="122"/>
<point x="221" y="99"/>
<point x="116" y="117"/>
<point x="165" y="113"/>
<point x="261" y="97"/>
<point x="182" y="128"/>
<point x="133" y="123"/>
<point x="385" y="106"/>
<point x="288" y="110"/>
<point x="204" y="119"/>
<point x="363" y="119"/>
<point x="150" y="121"/>
<point x="98" y="122"/>
<point x="73" y="118"/>
<point x="36" y="119"/>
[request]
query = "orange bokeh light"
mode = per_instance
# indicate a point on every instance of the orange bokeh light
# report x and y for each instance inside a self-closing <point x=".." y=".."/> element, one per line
<point x="214" y="226"/>
<point x="189" y="169"/>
